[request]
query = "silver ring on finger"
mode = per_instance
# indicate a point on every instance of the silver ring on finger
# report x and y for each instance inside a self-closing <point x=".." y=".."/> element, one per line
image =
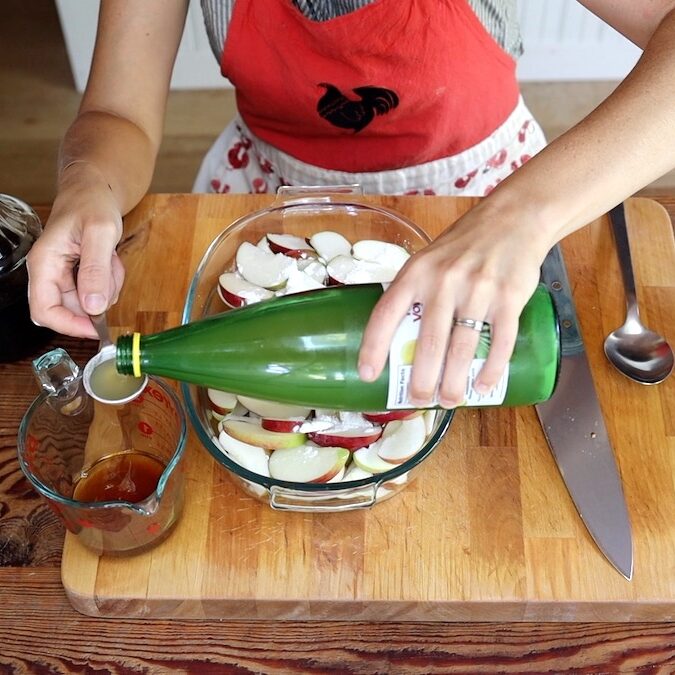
<point x="473" y="324"/>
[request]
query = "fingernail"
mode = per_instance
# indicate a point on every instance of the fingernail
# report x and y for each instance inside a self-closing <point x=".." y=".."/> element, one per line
<point x="481" y="387"/>
<point x="450" y="403"/>
<point x="366" y="373"/>
<point x="94" y="303"/>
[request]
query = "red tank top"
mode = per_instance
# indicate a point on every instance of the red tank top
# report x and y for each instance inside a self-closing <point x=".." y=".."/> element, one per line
<point x="393" y="84"/>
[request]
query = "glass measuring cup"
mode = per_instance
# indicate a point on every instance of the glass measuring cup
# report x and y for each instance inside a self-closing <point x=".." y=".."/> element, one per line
<point x="112" y="474"/>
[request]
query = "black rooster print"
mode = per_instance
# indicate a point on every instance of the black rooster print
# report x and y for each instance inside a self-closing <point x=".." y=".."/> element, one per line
<point x="345" y="113"/>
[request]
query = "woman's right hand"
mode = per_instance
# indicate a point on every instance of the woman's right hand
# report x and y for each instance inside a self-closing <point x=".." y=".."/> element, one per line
<point x="73" y="267"/>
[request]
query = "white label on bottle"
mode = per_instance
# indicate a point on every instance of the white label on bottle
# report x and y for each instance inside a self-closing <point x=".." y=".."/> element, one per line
<point x="402" y="352"/>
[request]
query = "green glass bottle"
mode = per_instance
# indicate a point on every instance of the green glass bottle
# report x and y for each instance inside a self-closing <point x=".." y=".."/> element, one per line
<point x="303" y="349"/>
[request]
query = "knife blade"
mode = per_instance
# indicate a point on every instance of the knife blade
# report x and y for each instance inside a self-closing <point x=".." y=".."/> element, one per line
<point x="577" y="436"/>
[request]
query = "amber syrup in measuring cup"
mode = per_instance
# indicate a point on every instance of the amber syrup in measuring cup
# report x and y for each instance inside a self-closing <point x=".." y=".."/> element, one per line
<point x="129" y="476"/>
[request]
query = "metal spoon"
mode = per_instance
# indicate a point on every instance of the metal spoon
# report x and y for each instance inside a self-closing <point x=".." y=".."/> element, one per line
<point x="637" y="352"/>
<point x="101" y="325"/>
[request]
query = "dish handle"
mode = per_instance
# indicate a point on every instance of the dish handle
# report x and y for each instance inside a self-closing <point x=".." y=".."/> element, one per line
<point x="300" y="194"/>
<point x="340" y="499"/>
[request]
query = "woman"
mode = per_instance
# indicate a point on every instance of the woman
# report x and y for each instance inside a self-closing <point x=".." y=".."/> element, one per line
<point x="415" y="96"/>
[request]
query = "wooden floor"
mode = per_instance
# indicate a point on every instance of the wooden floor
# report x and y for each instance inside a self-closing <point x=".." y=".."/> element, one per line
<point x="38" y="101"/>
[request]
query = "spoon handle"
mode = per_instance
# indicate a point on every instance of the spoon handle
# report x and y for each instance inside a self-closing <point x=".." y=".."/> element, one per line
<point x="101" y="325"/>
<point x="617" y="217"/>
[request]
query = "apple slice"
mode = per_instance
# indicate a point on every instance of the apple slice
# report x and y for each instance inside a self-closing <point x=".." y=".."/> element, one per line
<point x="299" y="281"/>
<point x="339" y="476"/>
<point x="349" y="419"/>
<point x="345" y="269"/>
<point x="295" y="424"/>
<point x="221" y="402"/>
<point x="344" y="428"/>
<point x="402" y="439"/>
<point x="355" y="472"/>
<point x="273" y="409"/>
<point x="368" y="460"/>
<point x="307" y="463"/>
<point x="237" y="292"/>
<point x="330" y="244"/>
<point x="382" y="252"/>
<point x="286" y="425"/>
<point x="237" y="413"/>
<point x="290" y="245"/>
<point x="253" y="434"/>
<point x="251" y="457"/>
<point x="429" y="420"/>
<point x="351" y="439"/>
<point x="315" y="269"/>
<point x="264" y="245"/>
<point x="390" y="415"/>
<point x="269" y="270"/>
<point x="339" y="269"/>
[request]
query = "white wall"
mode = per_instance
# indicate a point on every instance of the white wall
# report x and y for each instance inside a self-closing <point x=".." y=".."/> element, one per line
<point x="196" y="66"/>
<point x="563" y="41"/>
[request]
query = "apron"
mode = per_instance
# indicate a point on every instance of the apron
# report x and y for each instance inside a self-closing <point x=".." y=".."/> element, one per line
<point x="400" y="97"/>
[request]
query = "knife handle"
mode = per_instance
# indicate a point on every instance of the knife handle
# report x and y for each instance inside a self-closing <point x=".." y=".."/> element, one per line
<point x="554" y="276"/>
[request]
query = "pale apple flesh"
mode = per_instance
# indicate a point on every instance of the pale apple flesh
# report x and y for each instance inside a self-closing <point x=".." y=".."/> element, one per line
<point x="269" y="270"/>
<point x="307" y="463"/>
<point x="254" y="434"/>
<point x="402" y="439"/>
<point x="330" y="244"/>
<point x="222" y="402"/>
<point x="251" y="457"/>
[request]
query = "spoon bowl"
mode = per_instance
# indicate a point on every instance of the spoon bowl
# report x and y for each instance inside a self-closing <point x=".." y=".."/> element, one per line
<point x="636" y="351"/>
<point x="639" y="353"/>
<point x="100" y="378"/>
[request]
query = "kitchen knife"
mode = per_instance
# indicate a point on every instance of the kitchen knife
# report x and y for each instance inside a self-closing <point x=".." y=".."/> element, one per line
<point x="575" y="430"/>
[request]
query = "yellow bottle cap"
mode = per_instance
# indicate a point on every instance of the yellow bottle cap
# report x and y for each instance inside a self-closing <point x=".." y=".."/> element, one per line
<point x="136" y="354"/>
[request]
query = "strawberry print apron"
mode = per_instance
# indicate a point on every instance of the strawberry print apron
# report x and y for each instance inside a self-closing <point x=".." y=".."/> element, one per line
<point x="399" y="97"/>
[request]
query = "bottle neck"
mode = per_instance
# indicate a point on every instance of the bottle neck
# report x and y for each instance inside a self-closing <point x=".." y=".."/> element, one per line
<point x="124" y="356"/>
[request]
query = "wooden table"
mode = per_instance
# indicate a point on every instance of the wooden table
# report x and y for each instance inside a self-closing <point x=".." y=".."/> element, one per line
<point x="39" y="630"/>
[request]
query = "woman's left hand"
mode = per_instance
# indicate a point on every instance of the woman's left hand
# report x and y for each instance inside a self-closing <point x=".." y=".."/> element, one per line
<point x="483" y="268"/>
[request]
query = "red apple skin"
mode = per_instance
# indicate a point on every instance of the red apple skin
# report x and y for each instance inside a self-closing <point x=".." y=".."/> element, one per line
<point x="331" y="473"/>
<point x="291" y="252"/>
<point x="334" y="439"/>
<point x="217" y="409"/>
<point x="231" y="299"/>
<point x="282" y="425"/>
<point x="327" y="476"/>
<point x="391" y="415"/>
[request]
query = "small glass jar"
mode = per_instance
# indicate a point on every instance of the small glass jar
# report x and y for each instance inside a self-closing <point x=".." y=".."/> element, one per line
<point x="19" y="228"/>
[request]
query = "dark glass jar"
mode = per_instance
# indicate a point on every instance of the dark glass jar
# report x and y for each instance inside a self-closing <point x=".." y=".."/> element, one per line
<point x="19" y="228"/>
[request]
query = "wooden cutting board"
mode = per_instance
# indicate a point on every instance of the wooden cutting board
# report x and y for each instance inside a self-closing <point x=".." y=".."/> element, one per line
<point x="488" y="530"/>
